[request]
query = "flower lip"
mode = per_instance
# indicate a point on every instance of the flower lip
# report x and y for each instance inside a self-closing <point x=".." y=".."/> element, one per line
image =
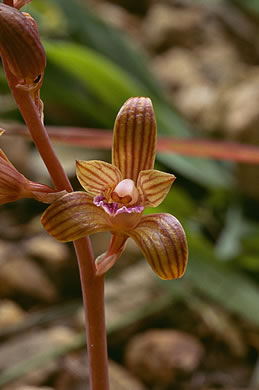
<point x="125" y="192"/>
<point x="114" y="208"/>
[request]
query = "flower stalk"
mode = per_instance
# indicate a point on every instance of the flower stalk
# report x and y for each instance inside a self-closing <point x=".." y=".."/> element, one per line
<point x="92" y="285"/>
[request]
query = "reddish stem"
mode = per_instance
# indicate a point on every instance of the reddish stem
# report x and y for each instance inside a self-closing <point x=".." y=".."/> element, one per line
<point x="92" y="285"/>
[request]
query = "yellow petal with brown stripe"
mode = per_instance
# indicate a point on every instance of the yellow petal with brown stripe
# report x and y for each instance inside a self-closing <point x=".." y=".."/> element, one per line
<point x="95" y="176"/>
<point x="106" y="260"/>
<point x="134" y="137"/>
<point x="155" y="186"/>
<point x="162" y="240"/>
<point x="12" y="182"/>
<point x="74" y="216"/>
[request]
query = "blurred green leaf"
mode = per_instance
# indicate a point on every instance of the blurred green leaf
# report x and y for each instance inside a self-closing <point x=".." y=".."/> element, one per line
<point x="99" y="75"/>
<point x="177" y="202"/>
<point x="219" y="282"/>
<point x="248" y="5"/>
<point x="228" y="244"/>
<point x="89" y="30"/>
<point x="200" y="170"/>
<point x="249" y="262"/>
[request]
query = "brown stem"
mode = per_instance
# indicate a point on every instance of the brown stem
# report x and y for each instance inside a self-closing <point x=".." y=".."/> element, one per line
<point x="92" y="285"/>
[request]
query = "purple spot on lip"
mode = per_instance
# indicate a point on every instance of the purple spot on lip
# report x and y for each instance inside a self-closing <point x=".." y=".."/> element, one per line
<point x="114" y="208"/>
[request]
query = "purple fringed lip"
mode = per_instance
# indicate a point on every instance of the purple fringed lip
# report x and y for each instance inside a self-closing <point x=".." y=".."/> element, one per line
<point x="114" y="208"/>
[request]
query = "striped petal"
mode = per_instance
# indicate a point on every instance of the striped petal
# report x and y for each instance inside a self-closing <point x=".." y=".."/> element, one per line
<point x="105" y="261"/>
<point x="95" y="176"/>
<point x="14" y="186"/>
<point x="134" y="137"/>
<point x="12" y="182"/>
<point x="74" y="216"/>
<point x="162" y="240"/>
<point x="154" y="185"/>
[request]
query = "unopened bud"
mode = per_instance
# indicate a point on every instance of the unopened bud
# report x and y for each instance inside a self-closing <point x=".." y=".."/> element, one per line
<point x="20" y="46"/>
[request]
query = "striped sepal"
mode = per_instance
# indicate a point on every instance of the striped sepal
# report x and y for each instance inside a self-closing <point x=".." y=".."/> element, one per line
<point x="134" y="137"/>
<point x="95" y="176"/>
<point x="74" y="216"/>
<point x="154" y="186"/>
<point x="12" y="182"/>
<point x="105" y="261"/>
<point x="162" y="241"/>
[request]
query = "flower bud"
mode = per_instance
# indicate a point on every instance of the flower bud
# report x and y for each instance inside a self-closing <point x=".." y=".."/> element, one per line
<point x="20" y="46"/>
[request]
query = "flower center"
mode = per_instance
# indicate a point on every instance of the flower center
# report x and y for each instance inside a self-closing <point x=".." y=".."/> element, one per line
<point x="125" y="192"/>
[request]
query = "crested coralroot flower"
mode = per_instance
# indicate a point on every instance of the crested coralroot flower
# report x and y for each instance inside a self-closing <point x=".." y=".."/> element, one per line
<point x="117" y="194"/>
<point x="14" y="186"/>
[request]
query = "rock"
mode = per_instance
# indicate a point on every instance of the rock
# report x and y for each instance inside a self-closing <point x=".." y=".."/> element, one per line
<point x="19" y="274"/>
<point x="166" y="26"/>
<point x="191" y="92"/>
<point x="10" y="314"/>
<point x="158" y="356"/>
<point x="121" y="379"/>
<point x="75" y="375"/>
<point x="219" y="61"/>
<point x="118" y="17"/>
<point x="47" y="249"/>
<point x="238" y="110"/>
<point x="235" y="112"/>
<point x="30" y="346"/>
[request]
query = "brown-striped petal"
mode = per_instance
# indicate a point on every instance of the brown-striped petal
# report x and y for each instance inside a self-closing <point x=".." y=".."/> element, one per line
<point x="105" y="261"/>
<point x="134" y="137"/>
<point x="154" y="185"/>
<point x="96" y="176"/>
<point x="74" y="216"/>
<point x="12" y="182"/>
<point x="14" y="186"/>
<point x="162" y="240"/>
<point x="47" y="197"/>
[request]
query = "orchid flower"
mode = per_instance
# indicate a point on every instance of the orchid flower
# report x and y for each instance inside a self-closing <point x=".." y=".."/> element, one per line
<point x="117" y="194"/>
